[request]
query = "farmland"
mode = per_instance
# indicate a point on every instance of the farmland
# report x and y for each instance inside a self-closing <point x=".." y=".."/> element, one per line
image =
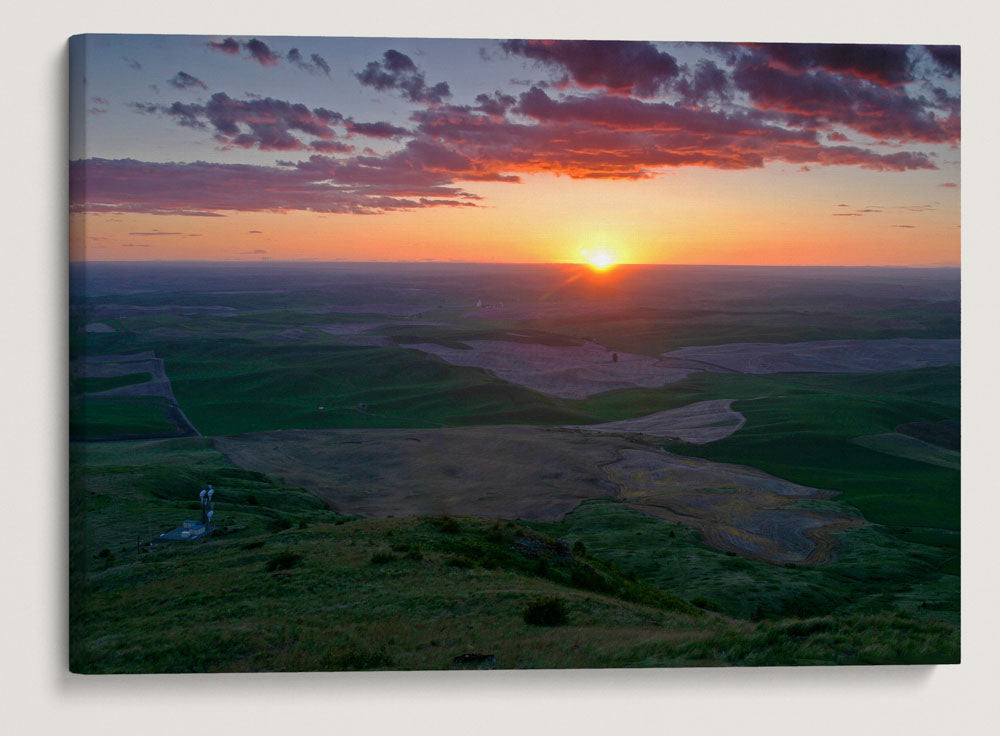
<point x="414" y="495"/>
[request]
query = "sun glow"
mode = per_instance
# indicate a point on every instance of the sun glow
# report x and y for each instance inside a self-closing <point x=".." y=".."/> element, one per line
<point x="601" y="260"/>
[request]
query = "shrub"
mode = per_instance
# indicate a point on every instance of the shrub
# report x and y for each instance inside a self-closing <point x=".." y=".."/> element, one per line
<point x="448" y="525"/>
<point x="584" y="576"/>
<point x="707" y="603"/>
<point x="303" y="524"/>
<point x="254" y="545"/>
<point x="251" y="500"/>
<point x="546" y="612"/>
<point x="415" y="554"/>
<point x="381" y="557"/>
<point x="463" y="562"/>
<point x="579" y="549"/>
<point x="282" y="561"/>
<point x="361" y="658"/>
<point x="279" y="524"/>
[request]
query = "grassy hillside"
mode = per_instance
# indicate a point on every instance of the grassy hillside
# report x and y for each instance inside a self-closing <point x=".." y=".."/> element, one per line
<point x="288" y="585"/>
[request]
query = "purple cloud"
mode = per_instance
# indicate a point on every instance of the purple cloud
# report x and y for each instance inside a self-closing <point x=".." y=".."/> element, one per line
<point x="819" y="99"/>
<point x="949" y="58"/>
<point x="376" y="130"/>
<point x="624" y="67"/>
<point x="316" y="64"/>
<point x="205" y="189"/>
<point x="183" y="80"/>
<point x="266" y="124"/>
<point x="227" y="46"/>
<point x="883" y="64"/>
<point x="261" y="53"/>
<point x="257" y="50"/>
<point x="397" y="71"/>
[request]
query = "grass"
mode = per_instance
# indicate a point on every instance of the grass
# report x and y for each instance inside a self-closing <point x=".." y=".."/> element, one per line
<point x="277" y="596"/>
<point x="139" y="417"/>
<point x="91" y="385"/>
<point x="875" y="570"/>
<point x="235" y="387"/>
<point x="806" y="436"/>
<point x="289" y="584"/>
<point x="900" y="445"/>
<point x="334" y="610"/>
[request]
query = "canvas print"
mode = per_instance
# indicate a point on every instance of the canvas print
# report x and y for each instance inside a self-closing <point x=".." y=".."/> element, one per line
<point x="423" y="354"/>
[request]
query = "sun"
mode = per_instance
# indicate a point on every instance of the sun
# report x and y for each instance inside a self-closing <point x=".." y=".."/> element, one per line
<point x="601" y="260"/>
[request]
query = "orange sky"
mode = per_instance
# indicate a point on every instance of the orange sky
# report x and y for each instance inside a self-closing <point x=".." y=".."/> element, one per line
<point x="437" y="149"/>
<point x="691" y="216"/>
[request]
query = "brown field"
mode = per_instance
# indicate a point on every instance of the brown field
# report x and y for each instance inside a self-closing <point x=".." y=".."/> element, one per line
<point x="570" y="372"/>
<point x="698" y="423"/>
<point x="520" y="472"/>
<point x="824" y="356"/>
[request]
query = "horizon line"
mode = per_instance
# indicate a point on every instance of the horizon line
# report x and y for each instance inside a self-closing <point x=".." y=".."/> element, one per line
<point x="264" y="261"/>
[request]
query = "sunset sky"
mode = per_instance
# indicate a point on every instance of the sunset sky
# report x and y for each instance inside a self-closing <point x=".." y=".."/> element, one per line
<point x="360" y="149"/>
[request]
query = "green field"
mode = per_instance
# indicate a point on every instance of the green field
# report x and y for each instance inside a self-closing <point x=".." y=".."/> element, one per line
<point x="93" y="385"/>
<point x="140" y="417"/>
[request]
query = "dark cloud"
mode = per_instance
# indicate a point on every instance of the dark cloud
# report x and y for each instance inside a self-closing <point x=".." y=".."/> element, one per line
<point x="616" y="137"/>
<point x="257" y="50"/>
<point x="261" y="53"/>
<point x="183" y="80"/>
<point x="949" y="58"/>
<point x="881" y="63"/>
<point x="255" y="232"/>
<point x="320" y="184"/>
<point x="948" y="185"/>
<point x="266" y="123"/>
<point x="320" y="63"/>
<point x="132" y="63"/>
<point x="330" y="147"/>
<point x="820" y="99"/>
<point x="707" y="81"/>
<point x="227" y="46"/>
<point x="635" y="67"/>
<point x="316" y="64"/>
<point x="771" y="106"/>
<point x="255" y="252"/>
<point x="376" y="130"/>
<point x="906" y="226"/>
<point x="156" y="232"/>
<point x="397" y="71"/>
<point x="496" y="104"/>
<point x="135" y="245"/>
